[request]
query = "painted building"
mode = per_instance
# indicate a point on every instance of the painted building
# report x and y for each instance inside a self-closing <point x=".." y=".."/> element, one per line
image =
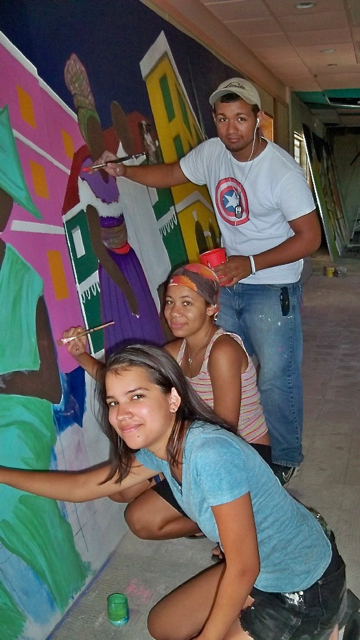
<point x="179" y="132"/>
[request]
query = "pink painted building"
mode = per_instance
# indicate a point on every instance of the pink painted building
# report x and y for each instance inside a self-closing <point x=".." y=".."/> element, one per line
<point x="46" y="134"/>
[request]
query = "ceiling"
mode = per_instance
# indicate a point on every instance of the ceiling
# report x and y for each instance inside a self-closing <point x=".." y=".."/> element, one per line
<point x="315" y="51"/>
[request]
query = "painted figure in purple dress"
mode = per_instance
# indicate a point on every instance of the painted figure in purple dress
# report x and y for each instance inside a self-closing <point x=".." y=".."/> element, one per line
<point x="124" y="291"/>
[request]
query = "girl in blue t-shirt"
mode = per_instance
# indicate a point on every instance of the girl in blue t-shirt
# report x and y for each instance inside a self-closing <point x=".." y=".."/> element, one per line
<point x="282" y="578"/>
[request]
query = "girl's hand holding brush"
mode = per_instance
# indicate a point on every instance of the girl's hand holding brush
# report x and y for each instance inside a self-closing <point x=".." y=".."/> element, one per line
<point x="77" y="346"/>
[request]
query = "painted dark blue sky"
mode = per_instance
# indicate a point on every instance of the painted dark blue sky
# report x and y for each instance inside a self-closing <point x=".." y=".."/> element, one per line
<point x="110" y="37"/>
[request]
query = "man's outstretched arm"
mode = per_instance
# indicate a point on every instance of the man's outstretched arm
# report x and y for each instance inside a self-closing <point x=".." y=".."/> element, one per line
<point x="159" y="176"/>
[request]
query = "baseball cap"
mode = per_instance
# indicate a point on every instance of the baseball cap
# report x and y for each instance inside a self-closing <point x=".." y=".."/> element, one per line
<point x="243" y="88"/>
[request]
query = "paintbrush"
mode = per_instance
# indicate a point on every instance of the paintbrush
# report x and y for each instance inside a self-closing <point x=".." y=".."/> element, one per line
<point x="96" y="167"/>
<point x="84" y="333"/>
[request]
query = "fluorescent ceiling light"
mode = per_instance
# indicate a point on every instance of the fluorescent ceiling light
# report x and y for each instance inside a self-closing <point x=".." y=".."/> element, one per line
<point x="305" y="5"/>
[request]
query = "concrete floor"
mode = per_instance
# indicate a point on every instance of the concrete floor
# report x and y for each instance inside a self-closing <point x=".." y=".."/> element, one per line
<point x="329" y="478"/>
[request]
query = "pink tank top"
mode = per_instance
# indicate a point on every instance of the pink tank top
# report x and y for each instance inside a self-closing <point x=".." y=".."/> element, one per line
<point x="252" y="425"/>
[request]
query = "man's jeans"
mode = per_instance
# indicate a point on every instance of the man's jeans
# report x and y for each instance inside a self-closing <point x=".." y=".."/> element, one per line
<point x="267" y="317"/>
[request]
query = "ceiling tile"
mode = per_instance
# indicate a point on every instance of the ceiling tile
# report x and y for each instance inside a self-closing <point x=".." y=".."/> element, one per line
<point x="344" y="53"/>
<point x="296" y="69"/>
<point x="353" y="8"/>
<point x="297" y="83"/>
<point x="276" y="53"/>
<point x="287" y="8"/>
<point x="304" y="84"/>
<point x="259" y="42"/>
<point x="339" y="80"/>
<point x="264" y="26"/>
<point x="314" y="21"/>
<point x="239" y="10"/>
<point x="319" y="70"/>
<point x="294" y="64"/>
<point x="324" y="36"/>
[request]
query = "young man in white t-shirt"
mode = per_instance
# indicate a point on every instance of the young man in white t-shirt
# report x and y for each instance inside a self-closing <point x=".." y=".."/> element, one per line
<point x="268" y="222"/>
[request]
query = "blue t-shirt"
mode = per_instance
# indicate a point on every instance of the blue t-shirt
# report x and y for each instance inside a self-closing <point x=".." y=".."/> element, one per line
<point x="219" y="467"/>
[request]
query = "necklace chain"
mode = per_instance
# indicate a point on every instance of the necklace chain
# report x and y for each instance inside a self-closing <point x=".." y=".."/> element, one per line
<point x="252" y="159"/>
<point x="190" y="358"/>
<point x="239" y="208"/>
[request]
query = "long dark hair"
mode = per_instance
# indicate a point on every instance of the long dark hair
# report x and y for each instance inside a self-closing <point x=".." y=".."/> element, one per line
<point x="164" y="372"/>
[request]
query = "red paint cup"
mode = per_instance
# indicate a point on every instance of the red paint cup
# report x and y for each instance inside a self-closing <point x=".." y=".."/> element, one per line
<point x="212" y="259"/>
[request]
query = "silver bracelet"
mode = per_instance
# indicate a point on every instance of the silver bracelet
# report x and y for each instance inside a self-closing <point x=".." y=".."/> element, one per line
<point x="252" y="262"/>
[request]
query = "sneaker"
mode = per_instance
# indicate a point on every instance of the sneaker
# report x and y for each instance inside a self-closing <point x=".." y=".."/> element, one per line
<point x="284" y="474"/>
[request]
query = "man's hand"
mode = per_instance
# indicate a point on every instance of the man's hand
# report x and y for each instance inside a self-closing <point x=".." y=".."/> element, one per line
<point x="234" y="269"/>
<point x="116" y="170"/>
<point x="306" y="239"/>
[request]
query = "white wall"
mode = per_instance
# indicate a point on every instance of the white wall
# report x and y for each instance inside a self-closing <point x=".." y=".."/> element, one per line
<point x="346" y="145"/>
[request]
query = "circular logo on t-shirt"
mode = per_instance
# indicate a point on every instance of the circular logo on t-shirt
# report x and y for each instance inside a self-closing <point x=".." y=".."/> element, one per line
<point x="231" y="201"/>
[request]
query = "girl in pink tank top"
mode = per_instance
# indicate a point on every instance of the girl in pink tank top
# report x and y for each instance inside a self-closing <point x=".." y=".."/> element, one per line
<point x="214" y="361"/>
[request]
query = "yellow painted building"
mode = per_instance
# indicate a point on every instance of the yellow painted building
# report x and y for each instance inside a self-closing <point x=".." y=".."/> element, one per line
<point x="178" y="132"/>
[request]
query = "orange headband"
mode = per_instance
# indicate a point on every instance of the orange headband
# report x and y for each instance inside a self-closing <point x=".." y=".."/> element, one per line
<point x="200" y="279"/>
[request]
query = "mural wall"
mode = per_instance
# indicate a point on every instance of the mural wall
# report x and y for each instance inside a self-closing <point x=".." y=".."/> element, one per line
<point x="79" y="249"/>
<point x="48" y="551"/>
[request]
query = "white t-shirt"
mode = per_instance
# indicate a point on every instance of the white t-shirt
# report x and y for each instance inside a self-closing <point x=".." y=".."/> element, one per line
<point x="253" y="201"/>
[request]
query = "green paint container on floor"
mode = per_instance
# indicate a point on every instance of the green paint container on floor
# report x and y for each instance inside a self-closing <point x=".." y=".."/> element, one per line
<point x="118" y="609"/>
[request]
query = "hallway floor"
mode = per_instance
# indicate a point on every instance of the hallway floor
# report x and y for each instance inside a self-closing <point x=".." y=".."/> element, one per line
<point x="329" y="478"/>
